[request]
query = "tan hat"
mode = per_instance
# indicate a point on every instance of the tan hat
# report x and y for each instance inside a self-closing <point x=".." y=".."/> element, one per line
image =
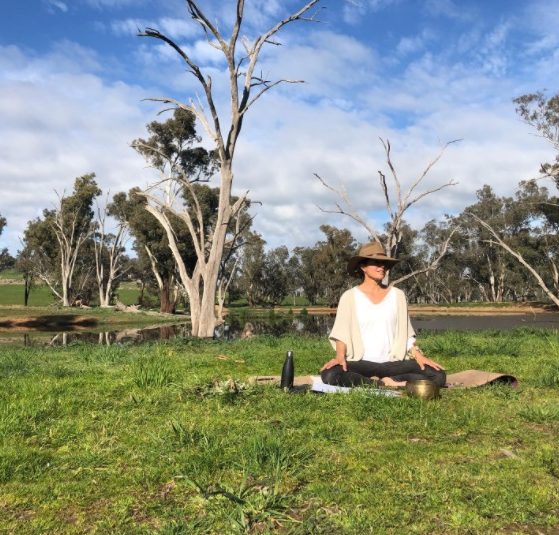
<point x="370" y="251"/>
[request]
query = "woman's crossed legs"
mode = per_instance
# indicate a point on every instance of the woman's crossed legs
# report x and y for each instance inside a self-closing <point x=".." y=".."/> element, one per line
<point x="360" y="372"/>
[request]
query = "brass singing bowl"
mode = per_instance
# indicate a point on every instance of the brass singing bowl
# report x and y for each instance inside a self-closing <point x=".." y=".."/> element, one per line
<point x="423" y="389"/>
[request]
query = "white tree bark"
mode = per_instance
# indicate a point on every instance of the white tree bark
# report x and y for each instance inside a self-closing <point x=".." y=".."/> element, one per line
<point x="246" y="88"/>
<point x="108" y="252"/>
<point x="69" y="241"/>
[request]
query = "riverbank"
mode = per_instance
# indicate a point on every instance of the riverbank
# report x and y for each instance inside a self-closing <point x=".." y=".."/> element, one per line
<point x="466" y="309"/>
<point x="20" y="318"/>
<point x="171" y="438"/>
<point x="15" y="319"/>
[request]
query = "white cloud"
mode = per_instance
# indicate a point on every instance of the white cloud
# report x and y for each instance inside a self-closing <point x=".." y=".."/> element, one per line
<point x="171" y="27"/>
<point x="53" y="5"/>
<point x="58" y="122"/>
<point x="112" y="4"/>
<point x="448" y="8"/>
<point x="61" y="118"/>
<point x="355" y="10"/>
<point x="414" y="44"/>
<point x="129" y="26"/>
<point x="329" y="63"/>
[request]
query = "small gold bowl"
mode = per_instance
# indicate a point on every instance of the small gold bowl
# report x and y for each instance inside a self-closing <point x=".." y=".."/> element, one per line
<point x="423" y="389"/>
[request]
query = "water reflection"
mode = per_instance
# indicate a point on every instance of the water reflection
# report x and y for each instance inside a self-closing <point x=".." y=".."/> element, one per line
<point x="245" y="325"/>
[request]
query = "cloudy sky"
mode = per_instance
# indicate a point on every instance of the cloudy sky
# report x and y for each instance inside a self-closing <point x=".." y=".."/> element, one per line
<point x="74" y="78"/>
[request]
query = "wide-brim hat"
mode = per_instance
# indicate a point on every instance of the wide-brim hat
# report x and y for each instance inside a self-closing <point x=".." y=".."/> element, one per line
<point x="370" y="251"/>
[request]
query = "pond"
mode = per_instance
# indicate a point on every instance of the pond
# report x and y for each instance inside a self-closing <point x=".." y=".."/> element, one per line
<point x="241" y="325"/>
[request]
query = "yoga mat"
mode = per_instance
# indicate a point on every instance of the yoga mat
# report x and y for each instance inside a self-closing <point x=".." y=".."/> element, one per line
<point x="464" y="379"/>
<point x="473" y="378"/>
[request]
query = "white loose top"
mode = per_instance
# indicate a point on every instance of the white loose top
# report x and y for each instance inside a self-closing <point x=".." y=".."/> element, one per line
<point x="377" y="325"/>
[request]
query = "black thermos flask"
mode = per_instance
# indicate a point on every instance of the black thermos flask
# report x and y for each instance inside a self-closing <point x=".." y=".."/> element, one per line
<point x="287" y="372"/>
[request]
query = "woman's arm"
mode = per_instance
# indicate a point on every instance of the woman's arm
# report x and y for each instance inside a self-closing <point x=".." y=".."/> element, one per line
<point x="339" y="358"/>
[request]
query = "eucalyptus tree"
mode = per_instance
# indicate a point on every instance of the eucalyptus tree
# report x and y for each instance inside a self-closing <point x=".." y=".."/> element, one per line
<point x="26" y="266"/>
<point x="251" y="268"/>
<point x="109" y="252"/>
<point x="158" y="266"/>
<point x="321" y="270"/>
<point x="529" y="238"/>
<point x="488" y="266"/>
<point x="7" y="261"/>
<point x="276" y="276"/>
<point x="246" y="87"/>
<point x="542" y="113"/>
<point x="58" y="242"/>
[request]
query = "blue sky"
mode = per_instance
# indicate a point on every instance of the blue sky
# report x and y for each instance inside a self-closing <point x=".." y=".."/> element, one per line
<point x="74" y="76"/>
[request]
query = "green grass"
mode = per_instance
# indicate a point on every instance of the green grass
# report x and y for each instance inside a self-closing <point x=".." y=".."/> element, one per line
<point x="128" y="293"/>
<point x="168" y="439"/>
<point x="12" y="294"/>
<point x="11" y="274"/>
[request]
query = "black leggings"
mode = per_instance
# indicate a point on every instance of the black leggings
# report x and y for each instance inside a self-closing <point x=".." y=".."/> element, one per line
<point x="359" y="373"/>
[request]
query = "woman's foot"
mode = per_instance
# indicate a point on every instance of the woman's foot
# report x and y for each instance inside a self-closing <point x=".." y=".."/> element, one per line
<point x="390" y="383"/>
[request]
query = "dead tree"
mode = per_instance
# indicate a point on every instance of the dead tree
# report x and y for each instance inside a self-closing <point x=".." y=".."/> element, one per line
<point x="397" y="202"/>
<point x="246" y="86"/>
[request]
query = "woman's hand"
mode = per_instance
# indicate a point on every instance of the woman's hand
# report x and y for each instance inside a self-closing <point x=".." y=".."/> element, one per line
<point x="334" y="362"/>
<point x="422" y="360"/>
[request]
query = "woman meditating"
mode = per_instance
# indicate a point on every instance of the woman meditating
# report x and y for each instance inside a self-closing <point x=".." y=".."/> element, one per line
<point x="372" y="333"/>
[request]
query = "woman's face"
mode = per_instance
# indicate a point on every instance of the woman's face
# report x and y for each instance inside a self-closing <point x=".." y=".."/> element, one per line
<point x="374" y="269"/>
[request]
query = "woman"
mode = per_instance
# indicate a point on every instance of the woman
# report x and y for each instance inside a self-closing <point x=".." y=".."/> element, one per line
<point x="372" y="334"/>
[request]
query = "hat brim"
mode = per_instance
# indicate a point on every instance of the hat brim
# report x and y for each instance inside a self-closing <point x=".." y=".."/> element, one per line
<point x="353" y="264"/>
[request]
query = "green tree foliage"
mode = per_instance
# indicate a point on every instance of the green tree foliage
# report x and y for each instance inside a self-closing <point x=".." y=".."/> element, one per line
<point x="476" y="267"/>
<point x="275" y="276"/>
<point x="171" y="147"/>
<point x="322" y="269"/>
<point x="7" y="261"/>
<point x="251" y="275"/>
<point x="172" y="150"/>
<point x="543" y="114"/>
<point x="25" y="264"/>
<point x="157" y="269"/>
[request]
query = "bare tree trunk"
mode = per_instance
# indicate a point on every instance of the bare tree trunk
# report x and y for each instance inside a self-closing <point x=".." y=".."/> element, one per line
<point x="201" y="286"/>
<point x="26" y="289"/>
<point x="168" y="295"/>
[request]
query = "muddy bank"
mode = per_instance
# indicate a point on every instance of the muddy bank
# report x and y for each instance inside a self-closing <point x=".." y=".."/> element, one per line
<point x="52" y="322"/>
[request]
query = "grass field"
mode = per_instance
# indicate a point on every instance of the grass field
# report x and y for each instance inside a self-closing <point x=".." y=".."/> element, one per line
<point x="13" y="294"/>
<point x="11" y="274"/>
<point x="153" y="440"/>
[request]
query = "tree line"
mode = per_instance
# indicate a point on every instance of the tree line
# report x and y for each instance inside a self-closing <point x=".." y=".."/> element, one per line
<point x="459" y="259"/>
<point x="194" y="241"/>
<point x="69" y="249"/>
